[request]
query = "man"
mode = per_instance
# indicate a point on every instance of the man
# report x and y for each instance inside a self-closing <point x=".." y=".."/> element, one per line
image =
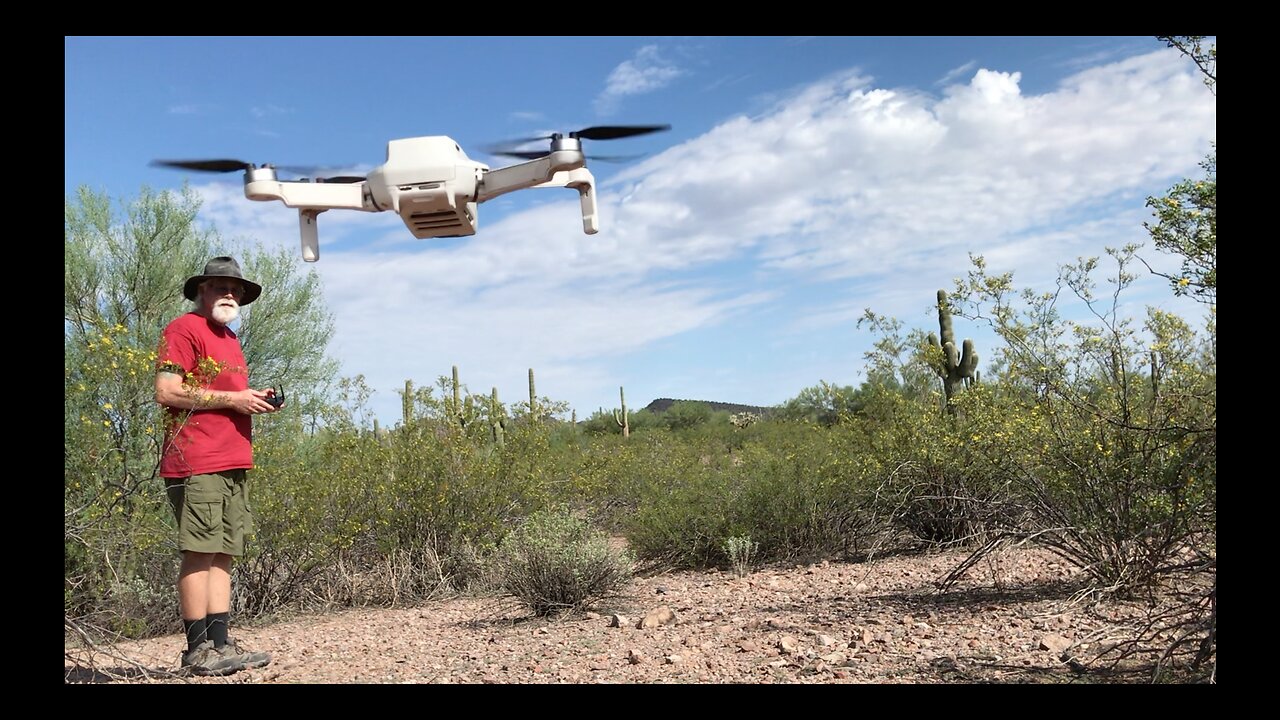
<point x="203" y="383"/>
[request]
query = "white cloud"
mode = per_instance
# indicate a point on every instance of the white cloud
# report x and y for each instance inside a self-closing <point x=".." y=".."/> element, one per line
<point x="956" y="72"/>
<point x="262" y="111"/>
<point x="645" y="72"/>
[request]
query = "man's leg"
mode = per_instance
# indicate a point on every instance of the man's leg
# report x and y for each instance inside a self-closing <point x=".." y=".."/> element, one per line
<point x="237" y="524"/>
<point x="218" y="613"/>
<point x="204" y="581"/>
<point x="193" y="596"/>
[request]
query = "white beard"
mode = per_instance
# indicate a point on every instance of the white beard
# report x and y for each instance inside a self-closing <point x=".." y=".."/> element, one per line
<point x="225" y="311"/>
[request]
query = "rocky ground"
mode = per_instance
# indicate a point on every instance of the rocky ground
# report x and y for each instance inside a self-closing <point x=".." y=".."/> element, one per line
<point x="1015" y="618"/>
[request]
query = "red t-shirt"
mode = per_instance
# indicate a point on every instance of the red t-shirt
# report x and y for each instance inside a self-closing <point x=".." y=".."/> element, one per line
<point x="198" y="442"/>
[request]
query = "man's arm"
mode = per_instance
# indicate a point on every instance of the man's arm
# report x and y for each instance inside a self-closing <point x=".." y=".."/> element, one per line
<point x="172" y="392"/>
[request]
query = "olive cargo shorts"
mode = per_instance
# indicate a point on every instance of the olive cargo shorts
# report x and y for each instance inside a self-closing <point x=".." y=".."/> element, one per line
<point x="212" y="511"/>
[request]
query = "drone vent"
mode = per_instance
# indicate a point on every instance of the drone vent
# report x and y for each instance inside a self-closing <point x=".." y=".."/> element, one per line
<point x="434" y="220"/>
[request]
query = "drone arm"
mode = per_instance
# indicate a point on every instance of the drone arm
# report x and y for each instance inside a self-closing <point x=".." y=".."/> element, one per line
<point x="527" y="174"/>
<point x="323" y="196"/>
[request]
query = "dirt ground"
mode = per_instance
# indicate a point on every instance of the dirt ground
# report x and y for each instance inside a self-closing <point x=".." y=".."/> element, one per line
<point x="1015" y="618"/>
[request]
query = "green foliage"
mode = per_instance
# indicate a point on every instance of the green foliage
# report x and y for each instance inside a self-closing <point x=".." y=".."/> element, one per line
<point x="824" y="404"/>
<point x="1113" y="460"/>
<point x="895" y="362"/>
<point x="123" y="282"/>
<point x="554" y="562"/>
<point x="799" y="491"/>
<point x="1187" y="225"/>
<point x="741" y="552"/>
<point x="931" y="484"/>
<point x="685" y="415"/>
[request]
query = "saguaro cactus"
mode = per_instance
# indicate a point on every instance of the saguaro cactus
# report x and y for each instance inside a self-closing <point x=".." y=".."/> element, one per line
<point x="533" y="398"/>
<point x="623" y="422"/>
<point x="406" y="407"/>
<point x="497" y="419"/>
<point x="953" y="367"/>
<point x="458" y="415"/>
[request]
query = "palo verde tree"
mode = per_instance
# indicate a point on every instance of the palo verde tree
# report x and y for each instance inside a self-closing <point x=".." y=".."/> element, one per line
<point x="1186" y="217"/>
<point x="123" y="280"/>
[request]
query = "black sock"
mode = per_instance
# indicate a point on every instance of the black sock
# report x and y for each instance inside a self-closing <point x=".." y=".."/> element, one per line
<point x="217" y="625"/>
<point x="196" y="632"/>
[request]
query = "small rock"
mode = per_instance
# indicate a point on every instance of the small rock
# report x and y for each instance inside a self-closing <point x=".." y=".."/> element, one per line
<point x="1054" y="643"/>
<point x="654" y="618"/>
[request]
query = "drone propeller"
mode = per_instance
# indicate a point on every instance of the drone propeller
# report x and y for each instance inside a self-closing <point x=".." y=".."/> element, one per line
<point x="342" y="179"/>
<point x="597" y="132"/>
<point x="226" y="166"/>
<point x="604" y="132"/>
<point x="535" y="154"/>
<point x="217" y="166"/>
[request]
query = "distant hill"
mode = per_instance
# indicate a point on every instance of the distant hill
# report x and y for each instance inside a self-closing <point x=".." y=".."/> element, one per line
<point x="661" y="405"/>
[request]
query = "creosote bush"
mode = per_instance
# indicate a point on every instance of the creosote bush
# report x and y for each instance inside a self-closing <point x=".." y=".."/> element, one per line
<point x="554" y="563"/>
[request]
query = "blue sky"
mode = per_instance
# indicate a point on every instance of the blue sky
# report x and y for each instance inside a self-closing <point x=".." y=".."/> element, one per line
<point x="804" y="179"/>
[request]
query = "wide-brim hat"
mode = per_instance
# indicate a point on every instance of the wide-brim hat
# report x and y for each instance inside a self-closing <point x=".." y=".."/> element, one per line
<point x="222" y="266"/>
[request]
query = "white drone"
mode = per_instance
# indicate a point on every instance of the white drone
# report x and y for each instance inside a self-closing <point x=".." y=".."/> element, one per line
<point x="430" y="182"/>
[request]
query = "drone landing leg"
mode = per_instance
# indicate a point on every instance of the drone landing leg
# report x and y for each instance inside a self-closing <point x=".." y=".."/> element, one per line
<point x="310" y="230"/>
<point x="587" y="197"/>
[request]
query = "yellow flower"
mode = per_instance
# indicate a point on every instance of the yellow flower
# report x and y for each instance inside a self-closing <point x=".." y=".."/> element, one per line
<point x="106" y="406"/>
<point x="1183" y="282"/>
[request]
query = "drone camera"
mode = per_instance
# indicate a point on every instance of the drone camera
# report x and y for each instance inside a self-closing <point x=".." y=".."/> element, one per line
<point x="433" y="210"/>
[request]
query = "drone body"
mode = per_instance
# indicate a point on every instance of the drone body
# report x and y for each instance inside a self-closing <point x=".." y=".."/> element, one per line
<point x="429" y="181"/>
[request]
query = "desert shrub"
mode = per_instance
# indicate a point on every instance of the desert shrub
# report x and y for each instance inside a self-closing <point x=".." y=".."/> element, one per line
<point x="1108" y="436"/>
<point x="676" y="501"/>
<point x="931" y="483"/>
<point x="118" y="554"/>
<point x="741" y="552"/>
<point x="554" y="562"/>
<point x="365" y="520"/>
<point x="797" y="490"/>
